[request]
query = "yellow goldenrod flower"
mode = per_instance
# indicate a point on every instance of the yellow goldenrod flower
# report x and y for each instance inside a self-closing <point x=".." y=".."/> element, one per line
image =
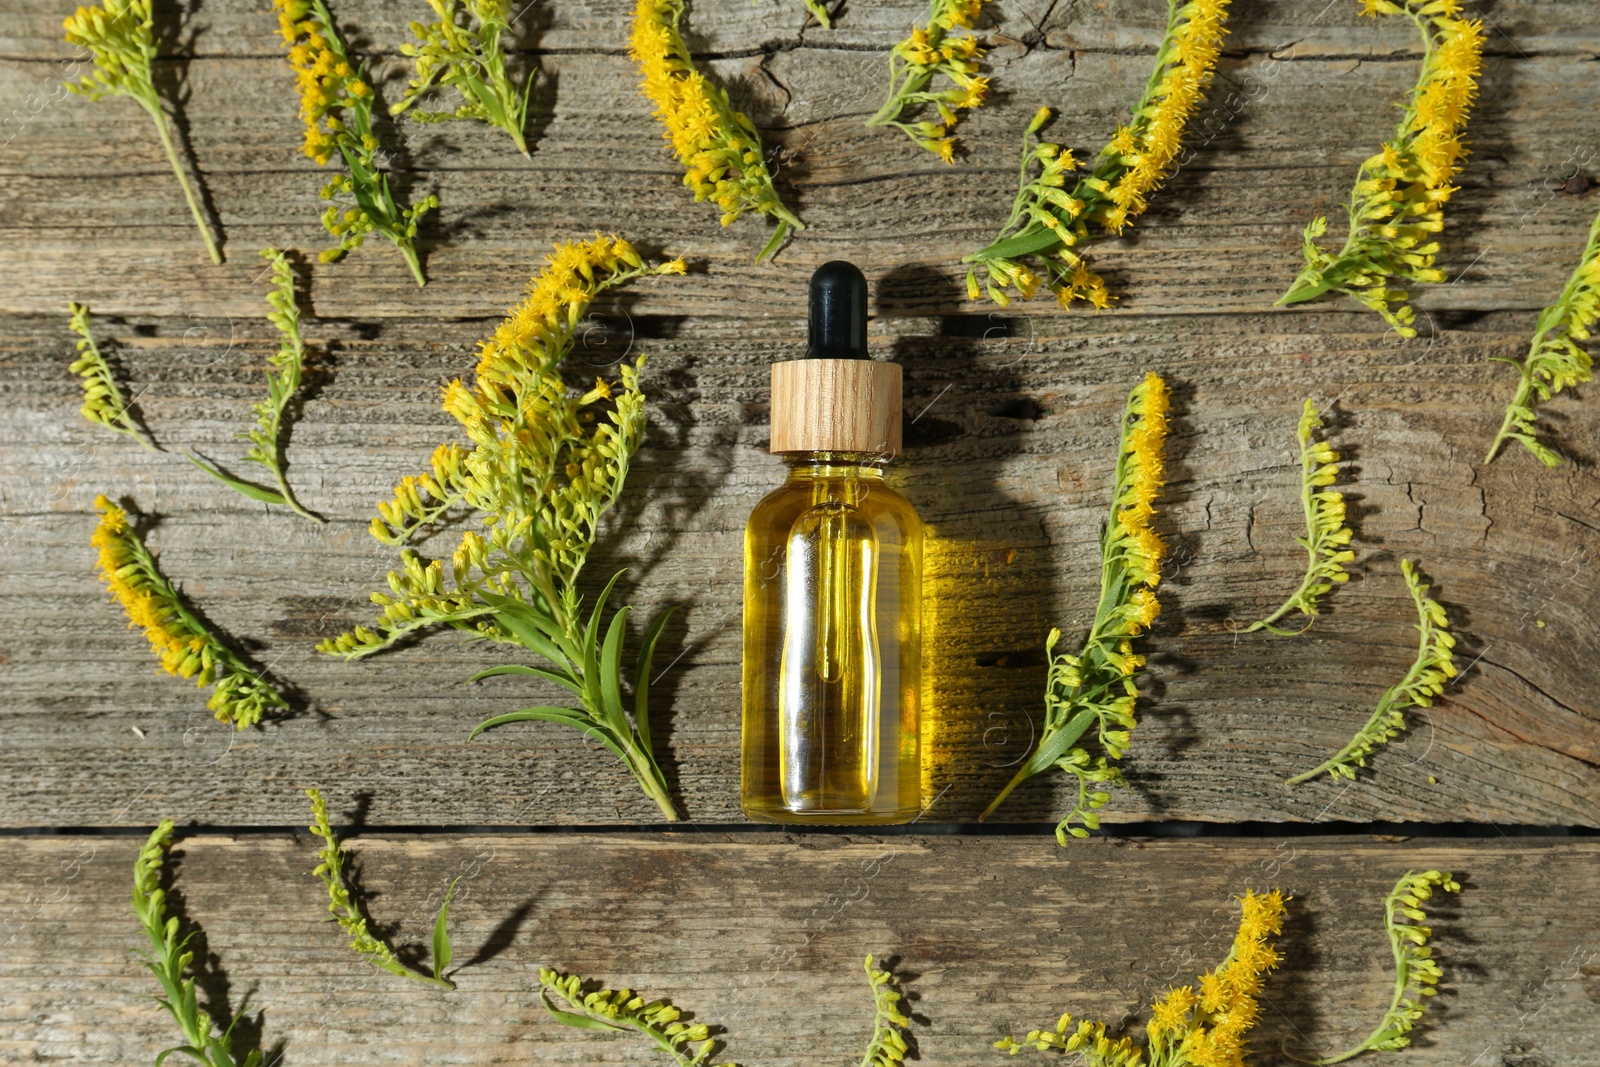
<point x="1327" y="537"/>
<point x="120" y="36"/>
<point x="653" y="1018"/>
<point x="1555" y="358"/>
<point x="915" y="62"/>
<point x="718" y="145"/>
<point x="1047" y="223"/>
<point x="464" y="51"/>
<point x="104" y="402"/>
<point x="336" y="105"/>
<point x="1186" y="1029"/>
<point x="1400" y="192"/>
<point x="1096" y="688"/>
<point x="185" y="646"/>
<point x="1424" y="680"/>
<point x="543" y="466"/>
<point x="887" y="1047"/>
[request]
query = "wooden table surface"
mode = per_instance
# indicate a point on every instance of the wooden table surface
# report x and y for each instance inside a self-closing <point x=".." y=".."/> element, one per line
<point x="1008" y="460"/>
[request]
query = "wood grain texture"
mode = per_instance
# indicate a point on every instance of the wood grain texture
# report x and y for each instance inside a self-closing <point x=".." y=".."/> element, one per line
<point x="764" y="934"/>
<point x="1009" y="437"/>
<point x="1014" y="505"/>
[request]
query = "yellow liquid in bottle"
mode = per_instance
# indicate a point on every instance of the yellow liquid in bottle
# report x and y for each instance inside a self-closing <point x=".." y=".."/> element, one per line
<point x="832" y="650"/>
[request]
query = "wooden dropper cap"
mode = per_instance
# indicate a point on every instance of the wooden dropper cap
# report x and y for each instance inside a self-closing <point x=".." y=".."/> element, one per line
<point x="837" y="399"/>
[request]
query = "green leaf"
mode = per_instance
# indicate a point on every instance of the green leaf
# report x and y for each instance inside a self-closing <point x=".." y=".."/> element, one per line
<point x="774" y="242"/>
<point x="611" y="673"/>
<point x="591" y="640"/>
<point x="249" y="489"/>
<point x="529" y="636"/>
<point x="591" y="634"/>
<point x="531" y="622"/>
<point x="441" y="935"/>
<point x="641" y="683"/>
<point x="1055" y="746"/>
<point x="563" y="716"/>
<point x="187" y="1050"/>
<point x="537" y="672"/>
<point x="572" y="1019"/>
<point x="1021" y="245"/>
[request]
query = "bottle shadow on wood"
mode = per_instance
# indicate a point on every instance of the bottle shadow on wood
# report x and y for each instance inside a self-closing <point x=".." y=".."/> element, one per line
<point x="989" y="585"/>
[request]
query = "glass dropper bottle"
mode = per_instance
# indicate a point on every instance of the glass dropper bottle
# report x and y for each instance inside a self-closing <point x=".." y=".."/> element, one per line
<point x="832" y="601"/>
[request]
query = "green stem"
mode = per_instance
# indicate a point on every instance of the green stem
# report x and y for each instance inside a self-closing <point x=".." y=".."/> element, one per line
<point x="407" y="972"/>
<point x="1402" y="978"/>
<point x="410" y="253"/>
<point x="1308" y="505"/>
<point x="1376" y="717"/>
<point x="1022" y="775"/>
<point x="649" y="776"/>
<point x="162" y="127"/>
<point x="1524" y="394"/>
<point x="289" y="497"/>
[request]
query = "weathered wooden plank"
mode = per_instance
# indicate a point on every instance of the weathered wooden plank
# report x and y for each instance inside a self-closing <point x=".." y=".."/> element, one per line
<point x="1014" y="504"/>
<point x="1224" y="236"/>
<point x="30" y="30"/>
<point x="765" y="935"/>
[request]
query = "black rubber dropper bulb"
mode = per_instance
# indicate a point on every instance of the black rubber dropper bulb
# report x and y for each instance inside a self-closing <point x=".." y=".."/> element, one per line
<point x="837" y="316"/>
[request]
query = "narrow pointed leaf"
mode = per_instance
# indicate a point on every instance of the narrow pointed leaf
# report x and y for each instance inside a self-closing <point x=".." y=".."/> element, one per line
<point x="565" y="716"/>
<point x="529" y="635"/>
<point x="1053" y="747"/>
<point x="611" y="673"/>
<point x="568" y="1018"/>
<point x="249" y="489"/>
<point x="641" y="683"/>
<point x="536" y="672"/>
<point x="562" y="716"/>
<point x="591" y="634"/>
<point x="530" y="620"/>
<point x="441" y="933"/>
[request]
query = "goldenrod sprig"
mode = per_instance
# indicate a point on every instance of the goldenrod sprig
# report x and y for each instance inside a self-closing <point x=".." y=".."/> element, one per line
<point x="887" y="1046"/>
<point x="284" y="369"/>
<point x="336" y="103"/>
<point x="543" y="467"/>
<point x="169" y="958"/>
<point x="186" y="646"/>
<point x="464" y="51"/>
<point x="1416" y="974"/>
<point x="1051" y="225"/>
<point x="347" y="913"/>
<point x="1095" y="688"/>
<point x="1555" y="359"/>
<point x="718" y="145"/>
<point x="1398" y="199"/>
<point x="689" y="1044"/>
<point x="1327" y="537"/>
<point x="934" y="49"/>
<point x="104" y="402"/>
<point x="1424" y="680"/>
<point x="1188" y="1028"/>
<point x="119" y="35"/>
